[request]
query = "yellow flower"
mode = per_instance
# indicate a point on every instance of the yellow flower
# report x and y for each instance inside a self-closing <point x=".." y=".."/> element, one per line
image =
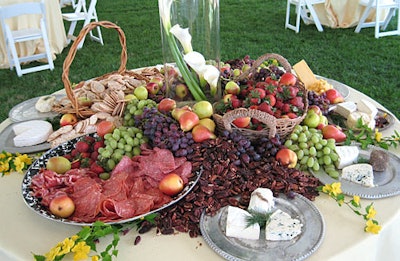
<point x="4" y="167"/>
<point x="371" y="213"/>
<point x="356" y="200"/>
<point x="378" y="135"/>
<point x="19" y="165"/>
<point x="53" y="253"/>
<point x="95" y="258"/>
<point x="66" y="246"/>
<point x="81" y="251"/>
<point x="332" y="189"/>
<point x="371" y="227"/>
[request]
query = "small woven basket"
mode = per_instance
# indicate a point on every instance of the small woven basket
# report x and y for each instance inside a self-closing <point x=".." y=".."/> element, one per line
<point x="74" y="106"/>
<point x="273" y="126"/>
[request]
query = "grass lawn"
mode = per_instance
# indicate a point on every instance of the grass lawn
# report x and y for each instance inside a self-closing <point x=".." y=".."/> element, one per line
<point x="359" y="60"/>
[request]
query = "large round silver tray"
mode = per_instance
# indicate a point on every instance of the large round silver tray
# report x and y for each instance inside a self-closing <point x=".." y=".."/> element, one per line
<point x="34" y="203"/>
<point x="387" y="183"/>
<point x="299" y="248"/>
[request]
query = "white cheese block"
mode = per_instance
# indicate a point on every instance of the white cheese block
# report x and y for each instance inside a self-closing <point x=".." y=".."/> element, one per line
<point x="352" y="120"/>
<point x="367" y="107"/>
<point x="348" y="155"/>
<point x="236" y="225"/>
<point x="30" y="133"/>
<point x="261" y="201"/>
<point x="282" y="226"/>
<point x="361" y="173"/>
<point x="345" y="108"/>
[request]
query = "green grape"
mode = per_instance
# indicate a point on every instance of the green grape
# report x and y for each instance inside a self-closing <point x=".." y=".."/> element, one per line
<point x="136" y="151"/>
<point x="139" y="135"/>
<point x="127" y="148"/>
<point x="310" y="162"/>
<point x="320" y="160"/>
<point x="120" y="145"/>
<point x="294" y="136"/>
<point x="300" y="154"/>
<point x="334" y="156"/>
<point x="304" y="160"/>
<point x="110" y="164"/>
<point x="105" y="154"/>
<point x="333" y="173"/>
<point x="136" y="142"/>
<point x="313" y="130"/>
<point x="315" y="139"/>
<point x="316" y="166"/>
<point x="129" y="140"/>
<point x="326" y="150"/>
<point x="327" y="160"/>
<point x="324" y="142"/>
<point x="288" y="143"/>
<point x="318" y="146"/>
<point x="109" y="149"/>
<point x="302" y="137"/>
<point x="313" y="151"/>
<point x="113" y="143"/>
<point x="294" y="147"/>
<point x="320" y="153"/>
<point x="107" y="136"/>
<point x="303" y="145"/>
<point x="305" y="128"/>
<point x="306" y="152"/>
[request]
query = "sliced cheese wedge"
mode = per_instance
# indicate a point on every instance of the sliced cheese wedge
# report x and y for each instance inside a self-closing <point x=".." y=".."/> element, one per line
<point x="361" y="173"/>
<point x="304" y="73"/>
<point x="348" y="155"/>
<point x="367" y="107"/>
<point x="236" y="225"/>
<point x="345" y="108"/>
<point x="282" y="226"/>
<point x="30" y="133"/>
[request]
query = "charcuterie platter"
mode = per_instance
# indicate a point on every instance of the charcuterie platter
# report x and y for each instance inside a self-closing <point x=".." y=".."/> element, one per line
<point x="34" y="203"/>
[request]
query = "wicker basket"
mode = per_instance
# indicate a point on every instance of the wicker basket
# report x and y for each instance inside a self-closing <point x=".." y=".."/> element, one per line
<point x="281" y="126"/>
<point x="73" y="106"/>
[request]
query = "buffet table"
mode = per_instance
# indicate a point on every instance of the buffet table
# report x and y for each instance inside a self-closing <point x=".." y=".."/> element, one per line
<point x="24" y="232"/>
<point x="55" y="30"/>
<point x="341" y="13"/>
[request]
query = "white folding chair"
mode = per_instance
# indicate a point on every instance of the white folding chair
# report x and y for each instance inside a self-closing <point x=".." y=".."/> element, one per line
<point x="82" y="13"/>
<point x="391" y="6"/>
<point x="305" y="11"/>
<point x="13" y="37"/>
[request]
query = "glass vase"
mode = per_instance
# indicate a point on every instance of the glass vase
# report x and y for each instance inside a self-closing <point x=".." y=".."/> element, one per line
<point x="185" y="82"/>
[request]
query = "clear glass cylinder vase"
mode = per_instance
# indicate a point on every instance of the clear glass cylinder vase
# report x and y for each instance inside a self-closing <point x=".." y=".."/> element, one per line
<point x="198" y="21"/>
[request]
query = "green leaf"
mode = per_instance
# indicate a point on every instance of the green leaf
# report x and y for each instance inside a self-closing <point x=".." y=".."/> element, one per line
<point x="39" y="257"/>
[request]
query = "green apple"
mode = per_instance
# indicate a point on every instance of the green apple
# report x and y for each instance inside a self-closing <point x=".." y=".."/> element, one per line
<point x="203" y="109"/>
<point x="312" y="119"/>
<point x="141" y="92"/>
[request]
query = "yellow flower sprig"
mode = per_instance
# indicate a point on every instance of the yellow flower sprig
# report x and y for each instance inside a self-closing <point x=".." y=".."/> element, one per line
<point x="82" y="243"/>
<point x="335" y="192"/>
<point x="366" y="136"/>
<point x="10" y="162"/>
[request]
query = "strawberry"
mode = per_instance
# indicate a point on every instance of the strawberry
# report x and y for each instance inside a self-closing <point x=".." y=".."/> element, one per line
<point x="292" y="115"/>
<point x="76" y="164"/>
<point x="271" y="99"/>
<point x="261" y="85"/>
<point x="96" y="168"/>
<point x="236" y="103"/>
<point x="298" y="102"/>
<point x="255" y="121"/>
<point x="89" y="139"/>
<point x="254" y="107"/>
<point x="94" y="155"/>
<point x="265" y="107"/>
<point x="293" y="91"/>
<point x="255" y="100"/>
<point x="279" y="104"/>
<point x="271" y="81"/>
<point x="258" y="92"/>
<point x="68" y="157"/>
<point x="278" y="113"/>
<point x="286" y="108"/>
<point x="98" y="144"/>
<point x="82" y="146"/>
<point x="84" y="155"/>
<point x="74" y="153"/>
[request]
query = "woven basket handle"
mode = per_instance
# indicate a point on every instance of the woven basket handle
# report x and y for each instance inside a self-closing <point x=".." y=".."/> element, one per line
<point x="264" y="117"/>
<point x="282" y="61"/>
<point x="72" y="52"/>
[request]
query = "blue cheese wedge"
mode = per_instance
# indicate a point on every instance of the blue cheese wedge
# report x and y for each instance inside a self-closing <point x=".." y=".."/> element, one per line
<point x="345" y="108"/>
<point x="361" y="173"/>
<point x="236" y="225"/>
<point x="367" y="107"/>
<point x="261" y="201"/>
<point x="348" y="155"/>
<point x="282" y="226"/>
<point x="30" y="133"/>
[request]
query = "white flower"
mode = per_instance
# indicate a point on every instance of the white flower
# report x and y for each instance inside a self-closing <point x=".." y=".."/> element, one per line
<point x="196" y="61"/>
<point x="184" y="37"/>
<point x="211" y="75"/>
<point x="164" y="7"/>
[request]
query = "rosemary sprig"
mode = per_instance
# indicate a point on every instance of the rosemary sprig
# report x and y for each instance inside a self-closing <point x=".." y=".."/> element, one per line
<point x="257" y="218"/>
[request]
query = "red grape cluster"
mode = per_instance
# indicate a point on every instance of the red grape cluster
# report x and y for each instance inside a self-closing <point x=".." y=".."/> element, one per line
<point x="320" y="100"/>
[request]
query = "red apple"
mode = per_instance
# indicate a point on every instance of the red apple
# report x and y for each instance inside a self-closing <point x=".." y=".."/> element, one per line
<point x="334" y="96"/>
<point x="105" y="127"/>
<point x="242" y="122"/>
<point x="68" y="119"/>
<point x="201" y="133"/>
<point x="62" y="206"/>
<point x="288" y="79"/>
<point x="159" y="80"/>
<point x="152" y="87"/>
<point x="315" y="108"/>
<point x="287" y="157"/>
<point x="232" y="88"/>
<point x="171" y="184"/>
<point x="332" y="132"/>
<point x="166" y="105"/>
<point x="188" y="120"/>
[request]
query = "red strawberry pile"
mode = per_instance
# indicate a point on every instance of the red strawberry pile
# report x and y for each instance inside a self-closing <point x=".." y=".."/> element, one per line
<point x="278" y="94"/>
<point x="85" y="154"/>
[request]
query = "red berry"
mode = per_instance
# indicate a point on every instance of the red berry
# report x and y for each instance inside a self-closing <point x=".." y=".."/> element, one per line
<point x="96" y="168"/>
<point x="75" y="164"/>
<point x="82" y="146"/>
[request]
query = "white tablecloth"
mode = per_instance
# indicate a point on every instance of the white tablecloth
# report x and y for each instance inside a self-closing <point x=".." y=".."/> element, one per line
<point x="23" y="231"/>
<point x="55" y="30"/>
<point x="341" y="13"/>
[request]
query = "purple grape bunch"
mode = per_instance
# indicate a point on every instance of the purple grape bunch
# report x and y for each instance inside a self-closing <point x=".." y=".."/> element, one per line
<point x="320" y="100"/>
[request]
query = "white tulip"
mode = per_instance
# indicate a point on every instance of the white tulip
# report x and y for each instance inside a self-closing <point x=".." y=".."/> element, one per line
<point x="184" y="37"/>
<point x="196" y="61"/>
<point x="164" y="7"/>
<point x="211" y="75"/>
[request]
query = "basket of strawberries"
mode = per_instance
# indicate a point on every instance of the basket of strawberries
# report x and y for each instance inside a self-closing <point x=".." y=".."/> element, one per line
<point x="266" y="99"/>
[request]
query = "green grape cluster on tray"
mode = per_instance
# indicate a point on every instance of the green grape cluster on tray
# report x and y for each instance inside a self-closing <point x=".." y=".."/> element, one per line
<point x="134" y="108"/>
<point x="124" y="141"/>
<point x="313" y="151"/>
